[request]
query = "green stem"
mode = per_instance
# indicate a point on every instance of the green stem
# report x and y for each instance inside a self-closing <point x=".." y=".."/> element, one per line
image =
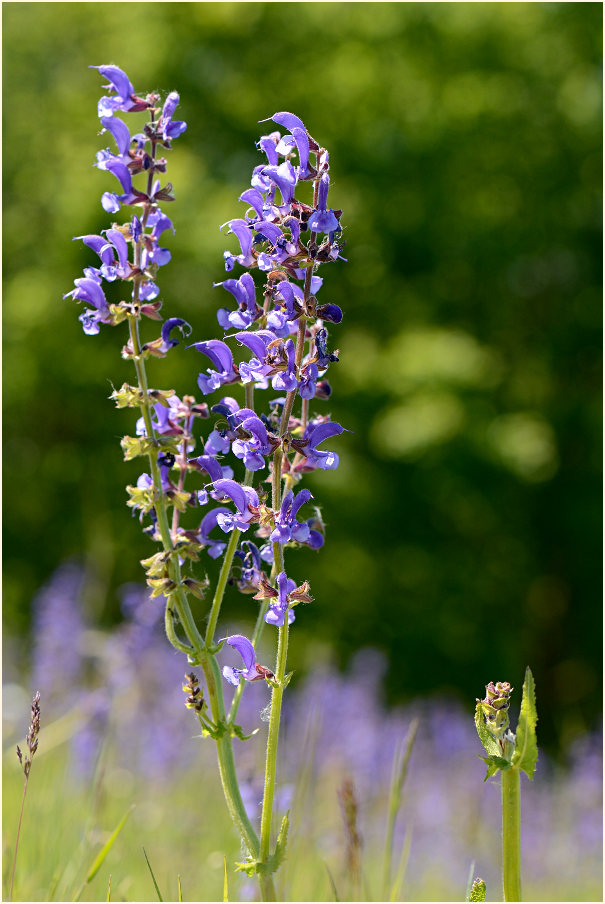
<point x="224" y="574"/>
<point x="226" y="762"/>
<point x="271" y="763"/>
<point x="221" y="585"/>
<point x="258" y="630"/>
<point x="511" y="834"/>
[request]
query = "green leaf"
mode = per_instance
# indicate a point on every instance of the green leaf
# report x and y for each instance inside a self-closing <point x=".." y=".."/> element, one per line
<point x="238" y="732"/>
<point x="402" y="867"/>
<point x="525" y="755"/>
<point x="98" y="861"/>
<point x="494" y="764"/>
<point x="157" y="890"/>
<point x="281" y="844"/>
<point x="225" y="882"/>
<point x="469" y="881"/>
<point x="180" y="889"/>
<point x="491" y="746"/>
<point x="332" y="883"/>
<point x="249" y="867"/>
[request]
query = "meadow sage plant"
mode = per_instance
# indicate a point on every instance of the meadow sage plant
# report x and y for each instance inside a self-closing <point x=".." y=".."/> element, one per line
<point x="274" y="337"/>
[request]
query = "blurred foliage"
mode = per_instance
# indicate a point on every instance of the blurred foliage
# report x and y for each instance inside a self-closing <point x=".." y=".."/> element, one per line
<point x="465" y="144"/>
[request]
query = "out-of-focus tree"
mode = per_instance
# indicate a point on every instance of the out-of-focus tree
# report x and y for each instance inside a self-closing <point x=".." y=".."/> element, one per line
<point x="466" y="150"/>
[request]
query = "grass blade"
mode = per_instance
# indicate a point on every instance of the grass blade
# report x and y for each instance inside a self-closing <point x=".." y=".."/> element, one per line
<point x="332" y="882"/>
<point x="469" y="882"/>
<point x="180" y="889"/>
<point x="398" y="776"/>
<point x="225" y="881"/>
<point x="98" y="861"/>
<point x="108" y="898"/>
<point x="157" y="890"/>
<point x="401" y="869"/>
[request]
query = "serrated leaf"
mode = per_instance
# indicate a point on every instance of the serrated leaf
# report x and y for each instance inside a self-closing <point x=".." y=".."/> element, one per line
<point x="494" y="764"/>
<point x="491" y="770"/>
<point x="525" y="755"/>
<point x="281" y="843"/>
<point x="491" y="746"/>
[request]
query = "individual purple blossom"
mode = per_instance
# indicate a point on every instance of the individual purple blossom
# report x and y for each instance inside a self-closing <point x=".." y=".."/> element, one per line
<point x="282" y="598"/>
<point x="284" y="177"/>
<point x="241" y="229"/>
<point x="171" y="128"/>
<point x="123" y="97"/>
<point x="215" y="547"/>
<point x="278" y="608"/>
<point x="243" y="497"/>
<point x="89" y="290"/>
<point x="250" y="572"/>
<point x="220" y="355"/>
<point x="315" y="434"/>
<point x="253" y="450"/>
<point x="121" y="134"/>
<point x="110" y="201"/>
<point x="244" y="292"/>
<point x="257" y="368"/>
<point x="246" y="651"/>
<point x="286" y="380"/>
<point x="287" y="527"/>
<point x="308" y="381"/>
<point x="322" y="220"/>
<point x="168" y="326"/>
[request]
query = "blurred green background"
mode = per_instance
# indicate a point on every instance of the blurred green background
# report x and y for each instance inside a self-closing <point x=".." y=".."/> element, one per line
<point x="465" y="139"/>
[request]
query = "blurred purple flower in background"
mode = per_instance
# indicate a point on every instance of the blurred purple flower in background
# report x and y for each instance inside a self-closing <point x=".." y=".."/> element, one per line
<point x="110" y="678"/>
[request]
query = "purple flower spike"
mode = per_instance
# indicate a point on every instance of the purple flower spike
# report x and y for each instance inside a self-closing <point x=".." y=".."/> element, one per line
<point x="322" y="220"/>
<point x="246" y="651"/>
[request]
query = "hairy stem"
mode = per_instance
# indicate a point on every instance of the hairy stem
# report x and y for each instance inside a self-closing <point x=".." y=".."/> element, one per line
<point x="511" y="834"/>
